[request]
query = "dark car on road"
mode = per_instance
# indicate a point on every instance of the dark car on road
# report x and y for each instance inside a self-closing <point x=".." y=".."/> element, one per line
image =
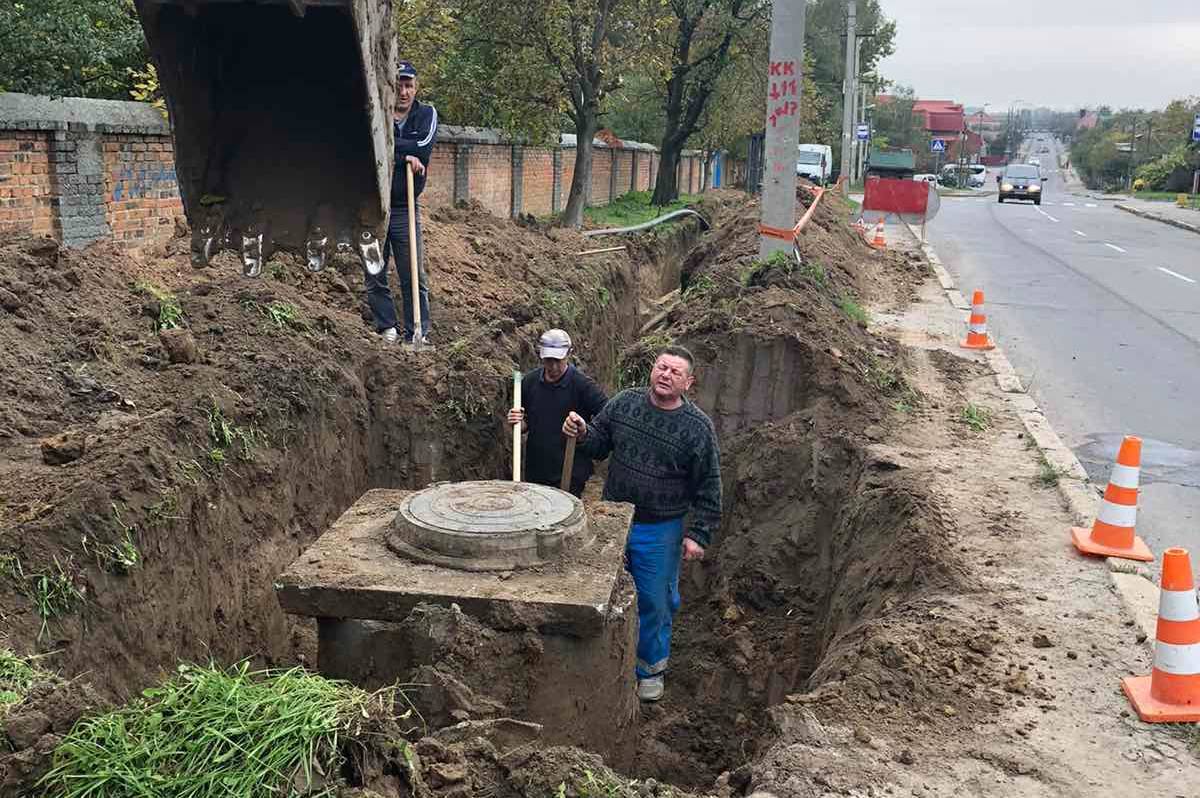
<point x="1021" y="181"/>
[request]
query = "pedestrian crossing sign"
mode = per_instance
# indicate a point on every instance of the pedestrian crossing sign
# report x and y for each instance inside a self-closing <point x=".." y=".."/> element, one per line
<point x="937" y="145"/>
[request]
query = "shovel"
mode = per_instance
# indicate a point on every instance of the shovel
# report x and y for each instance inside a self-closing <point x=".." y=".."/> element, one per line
<point x="568" y="466"/>
<point x="417" y="343"/>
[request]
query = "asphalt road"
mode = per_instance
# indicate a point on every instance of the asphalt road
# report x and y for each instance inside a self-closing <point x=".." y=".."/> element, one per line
<point x="1099" y="312"/>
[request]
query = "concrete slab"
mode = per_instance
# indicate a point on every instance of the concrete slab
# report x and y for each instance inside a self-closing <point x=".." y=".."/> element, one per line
<point x="350" y="573"/>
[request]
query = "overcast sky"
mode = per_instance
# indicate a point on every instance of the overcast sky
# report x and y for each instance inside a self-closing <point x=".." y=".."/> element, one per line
<point x="1060" y="53"/>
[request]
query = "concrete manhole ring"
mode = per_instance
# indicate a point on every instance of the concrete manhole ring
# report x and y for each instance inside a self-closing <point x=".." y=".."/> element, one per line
<point x="488" y="526"/>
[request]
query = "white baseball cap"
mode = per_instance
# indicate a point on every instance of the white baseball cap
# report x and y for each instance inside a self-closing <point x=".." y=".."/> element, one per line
<point x="554" y="344"/>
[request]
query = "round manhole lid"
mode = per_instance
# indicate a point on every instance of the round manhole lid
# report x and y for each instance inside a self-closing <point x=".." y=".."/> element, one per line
<point x="484" y="526"/>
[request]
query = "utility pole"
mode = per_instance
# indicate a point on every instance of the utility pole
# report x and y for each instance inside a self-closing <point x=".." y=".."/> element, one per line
<point x="848" y="86"/>
<point x="783" y="127"/>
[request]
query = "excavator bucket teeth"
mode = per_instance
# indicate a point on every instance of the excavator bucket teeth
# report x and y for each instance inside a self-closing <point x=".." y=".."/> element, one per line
<point x="281" y="112"/>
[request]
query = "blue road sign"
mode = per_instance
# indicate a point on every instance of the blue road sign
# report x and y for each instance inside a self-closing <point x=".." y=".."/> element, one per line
<point x="1196" y="128"/>
<point x="937" y="145"/>
<point x="862" y="132"/>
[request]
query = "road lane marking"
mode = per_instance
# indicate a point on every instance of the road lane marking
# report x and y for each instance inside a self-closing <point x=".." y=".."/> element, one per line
<point x="1091" y="205"/>
<point x="1113" y="246"/>
<point x="1080" y="233"/>
<point x="1043" y="213"/>
<point x="1069" y="204"/>
<point x="1176" y="274"/>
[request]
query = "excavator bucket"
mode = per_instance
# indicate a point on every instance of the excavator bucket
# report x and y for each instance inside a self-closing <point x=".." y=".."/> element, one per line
<point x="281" y="112"/>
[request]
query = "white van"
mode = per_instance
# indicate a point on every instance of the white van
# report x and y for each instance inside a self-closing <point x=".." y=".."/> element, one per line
<point x="815" y="162"/>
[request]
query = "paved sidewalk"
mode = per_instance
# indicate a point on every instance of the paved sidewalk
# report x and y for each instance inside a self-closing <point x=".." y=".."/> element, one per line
<point x="1165" y="212"/>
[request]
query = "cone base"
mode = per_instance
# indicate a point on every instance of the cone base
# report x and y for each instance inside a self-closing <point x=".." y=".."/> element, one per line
<point x="988" y="346"/>
<point x="1082" y="538"/>
<point x="1150" y="709"/>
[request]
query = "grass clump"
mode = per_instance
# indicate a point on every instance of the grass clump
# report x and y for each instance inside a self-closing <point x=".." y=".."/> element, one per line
<point x="120" y="557"/>
<point x="210" y="732"/>
<point x="560" y="305"/>
<point x="976" y="417"/>
<point x="633" y="208"/>
<point x="853" y="310"/>
<point x="1048" y="475"/>
<point x="17" y="675"/>
<point x="53" y="594"/>
<point x="758" y="271"/>
<point x="699" y="288"/>
<point x="227" y="437"/>
<point x="170" y="312"/>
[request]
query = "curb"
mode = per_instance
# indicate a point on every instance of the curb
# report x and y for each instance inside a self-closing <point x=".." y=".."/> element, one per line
<point x="1191" y="228"/>
<point x="1132" y="582"/>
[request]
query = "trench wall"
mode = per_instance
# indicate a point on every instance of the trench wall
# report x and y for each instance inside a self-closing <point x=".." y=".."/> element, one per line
<point x="82" y="171"/>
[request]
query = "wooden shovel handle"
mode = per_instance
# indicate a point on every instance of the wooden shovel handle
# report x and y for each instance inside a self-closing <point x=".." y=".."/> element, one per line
<point x="568" y="465"/>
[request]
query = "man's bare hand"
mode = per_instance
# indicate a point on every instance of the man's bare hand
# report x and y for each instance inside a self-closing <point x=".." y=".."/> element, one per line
<point x="415" y="162"/>
<point x="517" y="416"/>
<point x="575" y="426"/>
<point x="692" y="550"/>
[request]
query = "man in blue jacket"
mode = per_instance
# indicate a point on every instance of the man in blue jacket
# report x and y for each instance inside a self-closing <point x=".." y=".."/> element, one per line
<point x="414" y="129"/>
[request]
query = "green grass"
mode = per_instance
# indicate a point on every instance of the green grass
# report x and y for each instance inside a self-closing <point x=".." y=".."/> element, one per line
<point x="757" y="271"/>
<point x="170" y="312"/>
<point x="976" y="417"/>
<point x="225" y="436"/>
<point x="699" y="288"/>
<point x="1168" y="196"/>
<point x="211" y="733"/>
<point x="634" y="208"/>
<point x="560" y="306"/>
<point x="120" y="557"/>
<point x="53" y="594"/>
<point x="17" y="675"/>
<point x="816" y="273"/>
<point x="1048" y="475"/>
<point x="853" y="310"/>
<point x="283" y="315"/>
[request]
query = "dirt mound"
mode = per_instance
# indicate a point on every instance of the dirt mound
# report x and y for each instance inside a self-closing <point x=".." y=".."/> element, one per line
<point x="173" y="437"/>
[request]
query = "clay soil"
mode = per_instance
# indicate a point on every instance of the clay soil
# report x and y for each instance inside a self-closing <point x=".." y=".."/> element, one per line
<point x="889" y="608"/>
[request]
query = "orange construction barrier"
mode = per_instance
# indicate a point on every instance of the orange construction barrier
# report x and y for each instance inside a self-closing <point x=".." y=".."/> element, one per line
<point x="977" y="336"/>
<point x="880" y="242"/>
<point x="1113" y="534"/>
<point x="1171" y="693"/>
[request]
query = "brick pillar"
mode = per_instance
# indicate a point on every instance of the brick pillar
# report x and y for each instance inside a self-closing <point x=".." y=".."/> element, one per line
<point x="462" y="173"/>
<point x="653" y="173"/>
<point x="679" y="174"/>
<point x="517" y="161"/>
<point x="77" y="159"/>
<point x="691" y="173"/>
<point x="633" y="173"/>
<point x="612" y="173"/>
<point x="556" y="181"/>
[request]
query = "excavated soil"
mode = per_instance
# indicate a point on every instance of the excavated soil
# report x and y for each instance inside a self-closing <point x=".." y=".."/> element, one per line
<point x="822" y="600"/>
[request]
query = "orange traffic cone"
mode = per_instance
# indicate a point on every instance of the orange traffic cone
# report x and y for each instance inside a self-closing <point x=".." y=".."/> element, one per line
<point x="1112" y="534"/>
<point x="880" y="242"/>
<point x="977" y="336"/>
<point x="1171" y="693"/>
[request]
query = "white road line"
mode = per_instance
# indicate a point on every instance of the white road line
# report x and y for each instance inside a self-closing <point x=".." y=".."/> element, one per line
<point x="1091" y="205"/>
<point x="1080" y="233"/>
<point x="1069" y="204"/>
<point x="1176" y="274"/>
<point x="1113" y="246"/>
<point x="1043" y="213"/>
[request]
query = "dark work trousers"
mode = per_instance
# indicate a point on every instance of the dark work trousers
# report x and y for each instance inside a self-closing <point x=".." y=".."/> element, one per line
<point x="380" y="296"/>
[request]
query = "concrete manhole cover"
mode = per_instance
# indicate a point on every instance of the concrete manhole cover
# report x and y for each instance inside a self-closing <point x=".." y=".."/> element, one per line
<point x="487" y="526"/>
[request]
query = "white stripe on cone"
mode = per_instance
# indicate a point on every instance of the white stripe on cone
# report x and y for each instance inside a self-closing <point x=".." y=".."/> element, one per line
<point x="1179" y="660"/>
<point x="1124" y="476"/>
<point x="1178" y="605"/>
<point x="978" y="328"/>
<point x="1117" y="514"/>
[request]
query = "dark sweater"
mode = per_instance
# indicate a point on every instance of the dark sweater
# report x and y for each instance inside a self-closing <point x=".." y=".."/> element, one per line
<point x="546" y="407"/>
<point x="664" y="462"/>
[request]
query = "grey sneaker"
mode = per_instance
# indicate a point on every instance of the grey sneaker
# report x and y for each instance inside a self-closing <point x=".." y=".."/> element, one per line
<point x="651" y="689"/>
<point x="389" y="335"/>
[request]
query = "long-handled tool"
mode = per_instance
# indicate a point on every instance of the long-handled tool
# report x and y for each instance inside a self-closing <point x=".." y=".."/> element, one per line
<point x="568" y="465"/>
<point x="417" y="344"/>
<point x="516" y="427"/>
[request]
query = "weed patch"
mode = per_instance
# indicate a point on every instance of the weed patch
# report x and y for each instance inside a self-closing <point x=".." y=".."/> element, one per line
<point x="633" y="208"/>
<point x="853" y="311"/>
<point x="212" y="732"/>
<point x="561" y="306"/>
<point x="170" y="312"/>
<point x="635" y="362"/>
<point x="17" y="675"/>
<point x="53" y="594"/>
<point x="1048" y="475"/>
<point x="759" y="270"/>
<point x="226" y="437"/>
<point x="977" y="417"/>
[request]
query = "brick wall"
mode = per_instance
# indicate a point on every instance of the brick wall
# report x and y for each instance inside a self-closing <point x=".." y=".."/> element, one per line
<point x="85" y="170"/>
<point x="25" y="184"/>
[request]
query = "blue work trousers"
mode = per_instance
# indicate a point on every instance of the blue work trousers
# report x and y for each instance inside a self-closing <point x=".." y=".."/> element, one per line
<point x="379" y="295"/>
<point x="652" y="557"/>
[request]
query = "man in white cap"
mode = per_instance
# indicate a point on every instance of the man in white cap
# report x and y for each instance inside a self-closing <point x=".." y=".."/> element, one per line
<point x="548" y="394"/>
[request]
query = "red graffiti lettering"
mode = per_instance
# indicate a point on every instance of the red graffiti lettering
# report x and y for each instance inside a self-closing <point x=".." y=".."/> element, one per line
<point x="789" y="68"/>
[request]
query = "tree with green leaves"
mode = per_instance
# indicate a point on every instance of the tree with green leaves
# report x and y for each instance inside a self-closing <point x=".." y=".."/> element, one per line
<point x="706" y="36"/>
<point x="70" y="48"/>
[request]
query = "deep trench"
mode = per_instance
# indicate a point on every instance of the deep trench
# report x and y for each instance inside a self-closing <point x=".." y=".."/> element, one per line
<point x="813" y="539"/>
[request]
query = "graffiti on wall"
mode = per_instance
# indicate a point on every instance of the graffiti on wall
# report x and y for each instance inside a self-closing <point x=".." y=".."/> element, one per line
<point x="138" y="181"/>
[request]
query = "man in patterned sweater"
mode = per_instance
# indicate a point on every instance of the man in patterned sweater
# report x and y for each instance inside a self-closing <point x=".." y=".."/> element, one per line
<point x="665" y="462"/>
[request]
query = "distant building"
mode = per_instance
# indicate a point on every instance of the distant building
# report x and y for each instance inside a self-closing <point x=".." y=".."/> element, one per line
<point x="946" y="120"/>
<point x="1087" y="120"/>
